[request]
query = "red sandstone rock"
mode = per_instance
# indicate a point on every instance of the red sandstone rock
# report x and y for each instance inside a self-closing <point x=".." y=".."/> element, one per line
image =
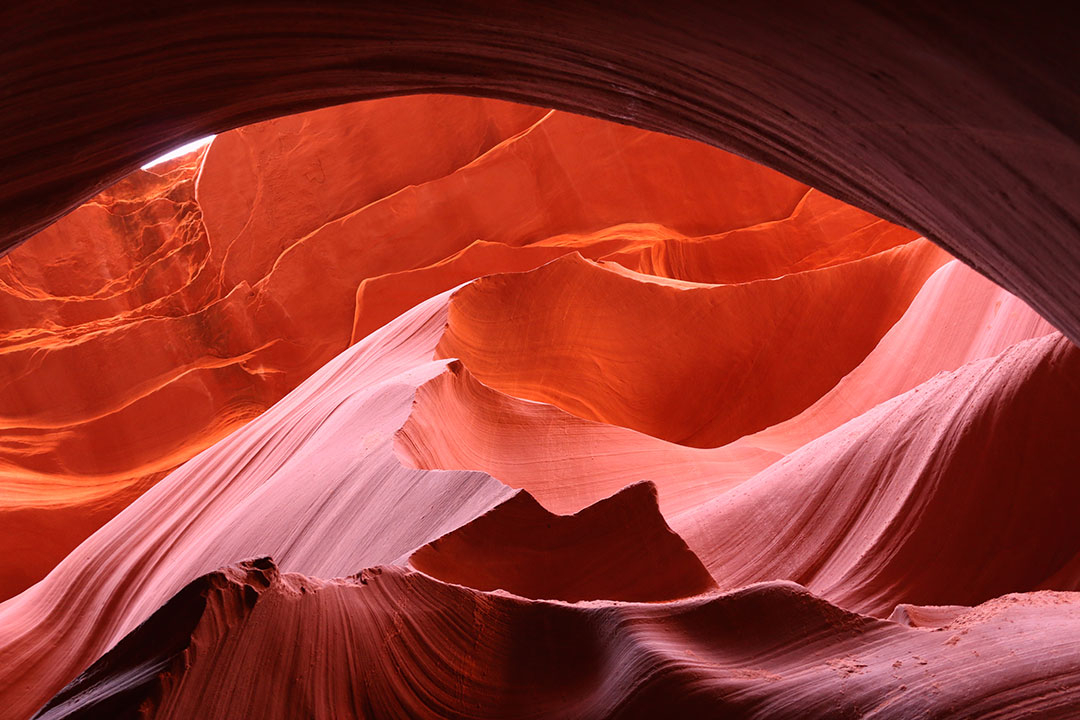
<point x="816" y="395"/>
<point x="618" y="549"/>
<point x="387" y="642"/>
<point x="959" y="124"/>
<point x="316" y="482"/>
<point x="941" y="496"/>
<point x="568" y="462"/>
<point x="700" y="365"/>
<point x="564" y="461"/>
<point x="202" y="291"/>
<point x="313" y="481"/>
<point x="819" y="232"/>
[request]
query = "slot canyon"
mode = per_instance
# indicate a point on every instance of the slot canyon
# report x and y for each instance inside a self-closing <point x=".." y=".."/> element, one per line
<point x="539" y="360"/>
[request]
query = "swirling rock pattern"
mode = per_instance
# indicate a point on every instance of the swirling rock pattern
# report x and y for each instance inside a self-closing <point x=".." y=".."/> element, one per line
<point x="196" y="274"/>
<point x="582" y="422"/>
<point x="390" y="643"/>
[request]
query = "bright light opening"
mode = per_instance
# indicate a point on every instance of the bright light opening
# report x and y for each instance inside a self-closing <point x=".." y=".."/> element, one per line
<point x="182" y="150"/>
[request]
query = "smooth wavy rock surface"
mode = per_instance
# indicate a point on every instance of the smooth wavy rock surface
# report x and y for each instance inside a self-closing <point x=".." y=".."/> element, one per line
<point x="569" y="462"/>
<point x="195" y="275"/>
<point x="316" y="482"/>
<point x="536" y="416"/>
<point x="958" y="317"/>
<point x="869" y="515"/>
<point x="564" y="461"/>
<point x="387" y="642"/>
<point x="706" y="359"/>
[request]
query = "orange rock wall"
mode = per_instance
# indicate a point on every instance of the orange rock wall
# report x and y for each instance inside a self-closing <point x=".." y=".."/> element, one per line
<point x="193" y="278"/>
<point x="536" y="416"/>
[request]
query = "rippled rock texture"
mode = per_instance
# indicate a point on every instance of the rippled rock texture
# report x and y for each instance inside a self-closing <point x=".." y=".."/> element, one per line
<point x="447" y="407"/>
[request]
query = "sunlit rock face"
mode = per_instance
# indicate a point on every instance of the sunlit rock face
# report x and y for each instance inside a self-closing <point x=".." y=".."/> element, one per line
<point x="536" y="416"/>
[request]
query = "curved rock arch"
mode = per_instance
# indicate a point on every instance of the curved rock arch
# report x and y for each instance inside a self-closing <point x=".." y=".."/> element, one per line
<point x="963" y="126"/>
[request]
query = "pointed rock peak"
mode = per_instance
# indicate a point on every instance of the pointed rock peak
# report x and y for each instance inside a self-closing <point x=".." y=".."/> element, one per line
<point x="617" y="549"/>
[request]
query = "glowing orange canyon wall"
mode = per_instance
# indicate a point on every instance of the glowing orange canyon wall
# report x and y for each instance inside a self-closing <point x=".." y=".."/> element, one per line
<point x="536" y="416"/>
<point x="180" y="304"/>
